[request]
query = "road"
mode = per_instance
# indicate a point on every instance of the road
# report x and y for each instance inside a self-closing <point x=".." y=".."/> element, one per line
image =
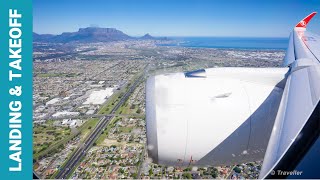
<point x="82" y="149"/>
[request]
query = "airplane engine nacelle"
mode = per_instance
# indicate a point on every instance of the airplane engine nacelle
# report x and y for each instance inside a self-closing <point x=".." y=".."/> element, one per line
<point x="217" y="116"/>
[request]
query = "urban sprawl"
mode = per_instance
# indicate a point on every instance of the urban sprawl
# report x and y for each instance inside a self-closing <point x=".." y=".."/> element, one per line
<point x="89" y="107"/>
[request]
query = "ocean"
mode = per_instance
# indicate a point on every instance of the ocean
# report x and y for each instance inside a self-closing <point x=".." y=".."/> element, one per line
<point x="230" y="42"/>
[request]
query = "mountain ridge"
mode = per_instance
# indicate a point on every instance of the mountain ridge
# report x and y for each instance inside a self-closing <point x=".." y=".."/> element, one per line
<point x="89" y="35"/>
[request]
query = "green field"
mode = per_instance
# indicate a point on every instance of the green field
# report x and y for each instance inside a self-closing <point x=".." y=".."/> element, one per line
<point x="125" y="129"/>
<point x="87" y="127"/>
<point x="102" y="137"/>
<point x="126" y="108"/>
<point x="47" y="139"/>
<point x="46" y="135"/>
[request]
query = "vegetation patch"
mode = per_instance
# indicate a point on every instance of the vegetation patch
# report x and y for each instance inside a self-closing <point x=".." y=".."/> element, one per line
<point x="45" y="136"/>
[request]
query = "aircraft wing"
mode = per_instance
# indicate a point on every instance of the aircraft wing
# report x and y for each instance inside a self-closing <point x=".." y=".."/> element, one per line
<point x="224" y="116"/>
<point x="297" y="125"/>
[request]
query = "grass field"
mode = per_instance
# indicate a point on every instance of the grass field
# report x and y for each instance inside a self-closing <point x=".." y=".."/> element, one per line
<point x="48" y="138"/>
<point x="102" y="137"/>
<point x="125" y="129"/>
<point x="86" y="128"/>
<point x="46" y="135"/>
<point x="126" y="108"/>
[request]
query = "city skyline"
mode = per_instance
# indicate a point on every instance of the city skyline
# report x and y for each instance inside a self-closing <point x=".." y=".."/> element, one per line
<point x="179" y="18"/>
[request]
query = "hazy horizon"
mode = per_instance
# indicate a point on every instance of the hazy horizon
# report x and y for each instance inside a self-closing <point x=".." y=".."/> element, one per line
<point x="199" y="36"/>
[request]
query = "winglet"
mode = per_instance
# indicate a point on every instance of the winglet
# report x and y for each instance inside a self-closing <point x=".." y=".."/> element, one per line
<point x="304" y="22"/>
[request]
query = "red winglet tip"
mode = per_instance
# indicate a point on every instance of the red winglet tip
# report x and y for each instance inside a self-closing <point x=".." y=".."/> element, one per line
<point x="304" y="22"/>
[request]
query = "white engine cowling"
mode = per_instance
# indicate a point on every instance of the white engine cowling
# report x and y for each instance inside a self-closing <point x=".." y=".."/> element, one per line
<point x="217" y="116"/>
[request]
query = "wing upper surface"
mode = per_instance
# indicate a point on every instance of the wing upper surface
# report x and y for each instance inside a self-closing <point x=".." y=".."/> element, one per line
<point x="300" y="97"/>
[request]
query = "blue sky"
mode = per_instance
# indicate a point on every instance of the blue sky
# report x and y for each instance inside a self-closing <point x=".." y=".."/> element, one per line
<point x="235" y="18"/>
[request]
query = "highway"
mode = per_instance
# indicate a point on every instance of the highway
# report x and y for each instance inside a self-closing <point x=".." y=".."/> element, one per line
<point x="95" y="133"/>
<point x="82" y="149"/>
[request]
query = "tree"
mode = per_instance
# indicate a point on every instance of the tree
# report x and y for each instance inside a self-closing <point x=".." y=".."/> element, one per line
<point x="187" y="169"/>
<point x="250" y="164"/>
<point x="186" y="176"/>
<point x="121" y="171"/>
<point x="135" y="175"/>
<point x="237" y="169"/>
<point x="214" y="173"/>
<point x="61" y="146"/>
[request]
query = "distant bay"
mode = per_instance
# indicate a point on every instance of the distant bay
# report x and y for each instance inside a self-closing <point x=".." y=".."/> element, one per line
<point x="229" y="42"/>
